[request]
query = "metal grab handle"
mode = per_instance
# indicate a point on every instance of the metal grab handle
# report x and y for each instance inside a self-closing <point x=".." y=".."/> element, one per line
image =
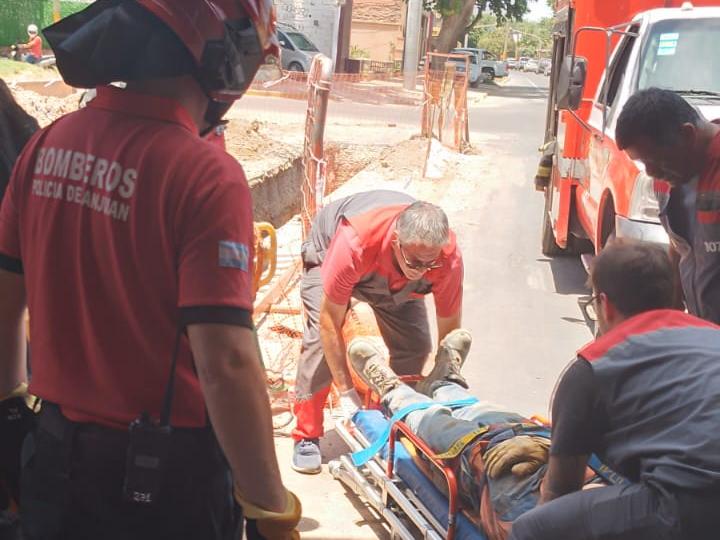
<point x="264" y="254"/>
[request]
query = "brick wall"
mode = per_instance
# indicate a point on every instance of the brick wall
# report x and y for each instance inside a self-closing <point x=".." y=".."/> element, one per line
<point x="314" y="18"/>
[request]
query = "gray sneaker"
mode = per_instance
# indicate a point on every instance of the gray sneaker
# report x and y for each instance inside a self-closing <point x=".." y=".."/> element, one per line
<point x="306" y="456"/>
<point x="368" y="362"/>
<point x="450" y="357"/>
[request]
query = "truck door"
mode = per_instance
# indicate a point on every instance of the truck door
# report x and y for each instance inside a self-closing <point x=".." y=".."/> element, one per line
<point x="594" y="193"/>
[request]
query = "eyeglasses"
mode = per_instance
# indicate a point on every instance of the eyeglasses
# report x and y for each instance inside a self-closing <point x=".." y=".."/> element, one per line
<point x="589" y="308"/>
<point x="418" y="265"/>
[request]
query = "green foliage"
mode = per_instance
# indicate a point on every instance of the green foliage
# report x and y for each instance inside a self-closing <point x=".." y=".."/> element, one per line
<point x="502" y="9"/>
<point x="358" y="53"/>
<point x="17" y="14"/>
<point x="535" y="40"/>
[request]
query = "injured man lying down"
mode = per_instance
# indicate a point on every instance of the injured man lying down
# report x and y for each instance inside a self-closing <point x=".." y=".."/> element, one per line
<point x="498" y="457"/>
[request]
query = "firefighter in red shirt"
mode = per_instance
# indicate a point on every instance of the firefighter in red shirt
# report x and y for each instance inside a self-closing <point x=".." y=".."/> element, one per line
<point x="33" y="46"/>
<point x="130" y="239"/>
<point x="386" y="249"/>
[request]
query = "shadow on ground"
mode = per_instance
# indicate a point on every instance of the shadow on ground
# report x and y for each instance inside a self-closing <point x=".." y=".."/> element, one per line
<point x="514" y="92"/>
<point x="332" y="446"/>
<point x="569" y="276"/>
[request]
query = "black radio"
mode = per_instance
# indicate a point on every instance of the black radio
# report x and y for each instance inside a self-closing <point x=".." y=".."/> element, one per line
<point x="147" y="456"/>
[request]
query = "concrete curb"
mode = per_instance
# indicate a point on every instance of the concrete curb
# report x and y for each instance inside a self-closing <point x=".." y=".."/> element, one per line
<point x="270" y="93"/>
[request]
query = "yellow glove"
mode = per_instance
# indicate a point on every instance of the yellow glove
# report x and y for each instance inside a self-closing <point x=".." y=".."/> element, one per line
<point x="265" y="525"/>
<point x="522" y="455"/>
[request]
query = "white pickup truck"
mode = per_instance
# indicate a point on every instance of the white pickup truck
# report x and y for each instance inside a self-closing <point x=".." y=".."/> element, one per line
<point x="489" y="66"/>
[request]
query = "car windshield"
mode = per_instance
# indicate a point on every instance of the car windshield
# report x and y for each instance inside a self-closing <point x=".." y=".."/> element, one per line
<point x="676" y="57"/>
<point x="473" y="58"/>
<point x="301" y="42"/>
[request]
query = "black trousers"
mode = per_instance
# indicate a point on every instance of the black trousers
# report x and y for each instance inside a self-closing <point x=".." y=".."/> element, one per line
<point x="634" y="512"/>
<point x="72" y="486"/>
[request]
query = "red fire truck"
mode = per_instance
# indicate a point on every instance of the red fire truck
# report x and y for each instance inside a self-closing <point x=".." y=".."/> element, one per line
<point x="603" y="52"/>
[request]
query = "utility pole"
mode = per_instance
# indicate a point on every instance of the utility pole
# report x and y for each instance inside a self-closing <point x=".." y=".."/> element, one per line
<point x="335" y="55"/>
<point x="412" y="42"/>
<point x="507" y="35"/>
<point x="516" y="38"/>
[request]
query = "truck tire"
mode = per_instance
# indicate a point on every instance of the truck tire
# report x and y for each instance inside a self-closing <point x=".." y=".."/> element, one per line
<point x="489" y="74"/>
<point x="296" y="66"/>
<point x="607" y="233"/>
<point x="549" y="245"/>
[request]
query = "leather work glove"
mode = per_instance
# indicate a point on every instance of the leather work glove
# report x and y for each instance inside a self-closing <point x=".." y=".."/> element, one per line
<point x="265" y="525"/>
<point x="522" y="455"/>
<point x="348" y="404"/>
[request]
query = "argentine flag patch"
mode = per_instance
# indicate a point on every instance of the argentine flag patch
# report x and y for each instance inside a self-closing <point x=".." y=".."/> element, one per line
<point x="233" y="255"/>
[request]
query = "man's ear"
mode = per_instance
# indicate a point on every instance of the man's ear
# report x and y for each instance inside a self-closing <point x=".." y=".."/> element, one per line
<point x="688" y="134"/>
<point x="611" y="312"/>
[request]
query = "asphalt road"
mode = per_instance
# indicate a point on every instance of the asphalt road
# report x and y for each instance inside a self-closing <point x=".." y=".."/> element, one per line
<point x="520" y="306"/>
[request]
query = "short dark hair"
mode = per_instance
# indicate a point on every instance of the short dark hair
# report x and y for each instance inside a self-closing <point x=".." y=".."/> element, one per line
<point x="654" y="114"/>
<point x="635" y="276"/>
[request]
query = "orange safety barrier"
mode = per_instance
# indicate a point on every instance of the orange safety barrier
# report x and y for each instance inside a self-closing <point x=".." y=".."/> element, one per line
<point x="445" y="109"/>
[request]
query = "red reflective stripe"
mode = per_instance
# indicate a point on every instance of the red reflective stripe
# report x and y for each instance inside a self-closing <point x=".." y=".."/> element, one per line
<point x="647" y="322"/>
<point x="708" y="217"/>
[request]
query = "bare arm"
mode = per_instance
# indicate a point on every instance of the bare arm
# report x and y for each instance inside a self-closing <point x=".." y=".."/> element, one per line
<point x="448" y="324"/>
<point x="678" y="296"/>
<point x="233" y="383"/>
<point x="13" y="368"/>
<point x="564" y="475"/>
<point x="332" y="317"/>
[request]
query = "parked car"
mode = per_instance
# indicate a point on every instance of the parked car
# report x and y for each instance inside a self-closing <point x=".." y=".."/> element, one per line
<point x="490" y="66"/>
<point x="522" y="61"/>
<point x="544" y="66"/>
<point x="297" y="50"/>
<point x="531" y="65"/>
<point x="475" y="76"/>
<point x="512" y="63"/>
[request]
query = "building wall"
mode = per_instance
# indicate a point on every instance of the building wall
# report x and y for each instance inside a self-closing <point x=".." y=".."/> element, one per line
<point x="378" y="40"/>
<point x="314" y="18"/>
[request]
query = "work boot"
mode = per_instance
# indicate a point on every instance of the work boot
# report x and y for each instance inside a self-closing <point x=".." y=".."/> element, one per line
<point x="306" y="456"/>
<point x="368" y="362"/>
<point x="449" y="360"/>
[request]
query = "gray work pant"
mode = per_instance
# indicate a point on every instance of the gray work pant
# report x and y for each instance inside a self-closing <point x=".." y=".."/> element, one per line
<point x="634" y="512"/>
<point x="404" y="328"/>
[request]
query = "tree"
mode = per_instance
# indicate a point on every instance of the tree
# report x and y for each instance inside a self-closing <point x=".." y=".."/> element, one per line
<point x="460" y="16"/>
<point x="535" y="37"/>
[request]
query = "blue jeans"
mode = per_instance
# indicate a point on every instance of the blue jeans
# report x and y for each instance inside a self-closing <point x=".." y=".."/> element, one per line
<point x="440" y="426"/>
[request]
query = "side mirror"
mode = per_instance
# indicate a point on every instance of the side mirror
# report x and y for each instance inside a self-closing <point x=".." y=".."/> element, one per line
<point x="571" y="83"/>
